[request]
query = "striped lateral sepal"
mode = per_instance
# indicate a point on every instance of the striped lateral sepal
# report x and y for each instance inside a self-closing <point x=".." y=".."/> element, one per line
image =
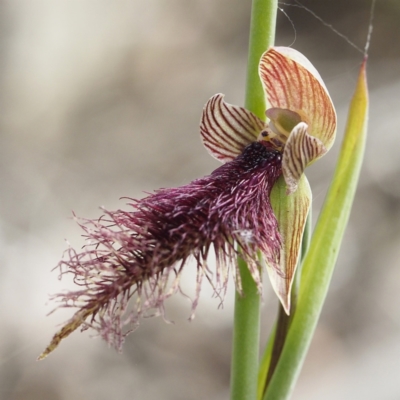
<point x="291" y="213"/>
<point x="227" y="129"/>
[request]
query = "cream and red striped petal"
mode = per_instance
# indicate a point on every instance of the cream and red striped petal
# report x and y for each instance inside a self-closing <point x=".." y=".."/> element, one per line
<point x="291" y="82"/>
<point x="227" y="129"/>
<point x="300" y="150"/>
<point x="291" y="213"/>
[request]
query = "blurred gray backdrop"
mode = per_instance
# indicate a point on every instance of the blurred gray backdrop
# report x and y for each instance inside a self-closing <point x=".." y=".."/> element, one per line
<point x="101" y="99"/>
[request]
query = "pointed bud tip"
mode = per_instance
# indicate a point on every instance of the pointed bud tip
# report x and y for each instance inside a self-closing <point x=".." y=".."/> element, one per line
<point x="286" y="304"/>
<point x="41" y="357"/>
<point x="49" y="349"/>
<point x="363" y="69"/>
<point x="361" y="91"/>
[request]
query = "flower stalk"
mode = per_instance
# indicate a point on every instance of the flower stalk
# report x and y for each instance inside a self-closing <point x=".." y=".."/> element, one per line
<point x="246" y="329"/>
<point x="262" y="36"/>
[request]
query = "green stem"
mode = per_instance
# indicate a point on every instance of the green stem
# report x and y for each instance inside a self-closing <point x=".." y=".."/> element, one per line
<point x="246" y="330"/>
<point x="246" y="335"/>
<point x="265" y="364"/>
<point x="282" y="327"/>
<point x="262" y="36"/>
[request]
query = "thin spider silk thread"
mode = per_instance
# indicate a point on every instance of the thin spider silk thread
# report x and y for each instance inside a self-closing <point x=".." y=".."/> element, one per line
<point x="291" y="23"/>
<point x="331" y="27"/>
<point x="370" y="28"/>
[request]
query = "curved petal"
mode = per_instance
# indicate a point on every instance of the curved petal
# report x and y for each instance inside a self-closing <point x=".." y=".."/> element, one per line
<point x="226" y="129"/>
<point x="300" y="150"/>
<point x="291" y="82"/>
<point x="301" y="59"/>
<point x="291" y="213"/>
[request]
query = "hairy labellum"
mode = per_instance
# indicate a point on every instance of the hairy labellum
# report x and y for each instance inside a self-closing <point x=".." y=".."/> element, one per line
<point x="135" y="253"/>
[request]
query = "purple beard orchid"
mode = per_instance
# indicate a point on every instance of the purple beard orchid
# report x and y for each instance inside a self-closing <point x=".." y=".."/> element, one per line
<point x="134" y="259"/>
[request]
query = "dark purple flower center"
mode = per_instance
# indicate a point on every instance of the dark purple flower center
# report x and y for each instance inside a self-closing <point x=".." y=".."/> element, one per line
<point x="260" y="155"/>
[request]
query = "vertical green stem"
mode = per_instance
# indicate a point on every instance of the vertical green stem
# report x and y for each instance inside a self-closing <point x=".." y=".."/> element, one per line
<point x="246" y="331"/>
<point x="246" y="335"/>
<point x="262" y="36"/>
<point x="265" y="364"/>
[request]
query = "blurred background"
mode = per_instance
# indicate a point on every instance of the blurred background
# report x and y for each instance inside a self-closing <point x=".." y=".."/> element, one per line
<point x="102" y="99"/>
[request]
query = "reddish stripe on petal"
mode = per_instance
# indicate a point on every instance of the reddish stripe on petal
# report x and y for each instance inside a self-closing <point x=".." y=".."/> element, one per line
<point x="226" y="129"/>
<point x="289" y="84"/>
<point x="300" y="150"/>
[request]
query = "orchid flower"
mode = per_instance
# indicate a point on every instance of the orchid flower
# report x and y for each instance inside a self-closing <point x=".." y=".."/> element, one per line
<point x="134" y="259"/>
<point x="301" y="126"/>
